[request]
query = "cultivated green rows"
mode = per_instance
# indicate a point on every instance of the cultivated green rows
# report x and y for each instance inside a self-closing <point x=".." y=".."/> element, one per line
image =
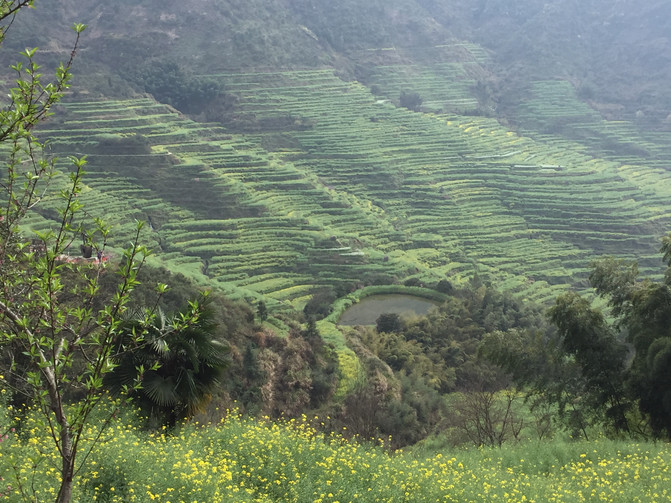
<point x="357" y="190"/>
<point x="221" y="207"/>
<point x="486" y="196"/>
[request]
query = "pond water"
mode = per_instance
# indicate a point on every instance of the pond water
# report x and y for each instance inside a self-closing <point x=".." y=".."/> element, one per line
<point x="369" y="309"/>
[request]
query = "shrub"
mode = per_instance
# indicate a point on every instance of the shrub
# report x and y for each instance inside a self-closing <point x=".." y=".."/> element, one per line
<point x="411" y="101"/>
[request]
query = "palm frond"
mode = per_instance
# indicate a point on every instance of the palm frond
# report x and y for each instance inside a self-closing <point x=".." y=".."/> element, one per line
<point x="160" y="390"/>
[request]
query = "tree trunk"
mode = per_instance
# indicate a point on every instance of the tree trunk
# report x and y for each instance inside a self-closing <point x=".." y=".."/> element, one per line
<point x="67" y="474"/>
<point x="67" y="458"/>
<point x="67" y="446"/>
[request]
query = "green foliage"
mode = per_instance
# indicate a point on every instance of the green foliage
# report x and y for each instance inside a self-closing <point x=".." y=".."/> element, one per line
<point x="641" y="309"/>
<point x="536" y="362"/>
<point x="320" y="304"/>
<point x="444" y="286"/>
<point x="583" y="368"/>
<point x="453" y="332"/>
<point x="262" y="311"/>
<point x="586" y="337"/>
<point x="419" y="411"/>
<point x="168" y="83"/>
<point x="178" y="360"/>
<point x="46" y="303"/>
<point x="458" y="183"/>
<point x="389" y="322"/>
<point x="579" y="369"/>
<point x="350" y="371"/>
<point x="417" y="366"/>
<point x="251" y="380"/>
<point x="487" y="418"/>
<point x="411" y="101"/>
<point x="224" y="197"/>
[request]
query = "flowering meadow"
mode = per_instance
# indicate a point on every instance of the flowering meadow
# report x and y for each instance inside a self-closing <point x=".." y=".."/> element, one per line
<point x="247" y="460"/>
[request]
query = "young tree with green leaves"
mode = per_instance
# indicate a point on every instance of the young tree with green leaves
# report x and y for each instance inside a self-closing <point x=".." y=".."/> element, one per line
<point x="57" y="328"/>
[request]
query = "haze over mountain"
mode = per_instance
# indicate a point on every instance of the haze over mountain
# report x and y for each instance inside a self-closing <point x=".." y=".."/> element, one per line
<point x="617" y="53"/>
<point x="190" y="224"/>
<point x="388" y="139"/>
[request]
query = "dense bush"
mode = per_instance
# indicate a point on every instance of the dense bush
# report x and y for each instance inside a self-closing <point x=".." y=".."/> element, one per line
<point x="320" y="304"/>
<point x="168" y="83"/>
<point x="411" y="101"/>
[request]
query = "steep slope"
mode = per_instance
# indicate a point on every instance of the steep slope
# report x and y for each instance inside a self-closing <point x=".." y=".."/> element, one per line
<point x="616" y="53"/>
<point x="326" y="185"/>
<point x="313" y="177"/>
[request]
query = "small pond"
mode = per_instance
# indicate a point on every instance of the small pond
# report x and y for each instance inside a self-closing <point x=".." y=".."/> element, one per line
<point x="369" y="309"/>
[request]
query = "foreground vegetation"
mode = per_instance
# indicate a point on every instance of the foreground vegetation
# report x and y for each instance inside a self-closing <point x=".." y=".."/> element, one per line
<point x="246" y="460"/>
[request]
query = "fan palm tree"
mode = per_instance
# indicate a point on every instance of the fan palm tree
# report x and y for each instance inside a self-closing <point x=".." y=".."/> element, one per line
<point x="178" y="361"/>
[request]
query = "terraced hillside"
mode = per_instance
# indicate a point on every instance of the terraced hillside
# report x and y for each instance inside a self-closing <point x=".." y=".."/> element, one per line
<point x="466" y="192"/>
<point x="317" y="182"/>
<point x="218" y="206"/>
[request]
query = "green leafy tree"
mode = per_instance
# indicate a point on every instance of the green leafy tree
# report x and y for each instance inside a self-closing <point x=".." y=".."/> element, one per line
<point x="252" y="379"/>
<point x="389" y="322"/>
<point x="642" y="310"/>
<point x="536" y="362"/>
<point x="579" y="368"/>
<point x="168" y="83"/>
<point x="411" y="101"/>
<point x="262" y="311"/>
<point x="593" y="375"/>
<point x="47" y="313"/>
<point x="586" y="337"/>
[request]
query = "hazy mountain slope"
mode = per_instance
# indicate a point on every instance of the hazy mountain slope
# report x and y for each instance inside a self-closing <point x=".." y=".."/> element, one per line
<point x="617" y="54"/>
<point x="326" y="186"/>
<point x="210" y="34"/>
<point x="310" y="179"/>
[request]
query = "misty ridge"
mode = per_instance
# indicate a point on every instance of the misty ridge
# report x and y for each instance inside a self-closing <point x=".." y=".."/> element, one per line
<point x="615" y="53"/>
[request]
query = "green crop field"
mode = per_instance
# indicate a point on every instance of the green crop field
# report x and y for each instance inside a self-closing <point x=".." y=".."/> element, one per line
<point x="315" y="181"/>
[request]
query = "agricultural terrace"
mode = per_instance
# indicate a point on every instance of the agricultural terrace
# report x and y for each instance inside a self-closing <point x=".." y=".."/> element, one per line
<point x="465" y="191"/>
<point x="317" y="182"/>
